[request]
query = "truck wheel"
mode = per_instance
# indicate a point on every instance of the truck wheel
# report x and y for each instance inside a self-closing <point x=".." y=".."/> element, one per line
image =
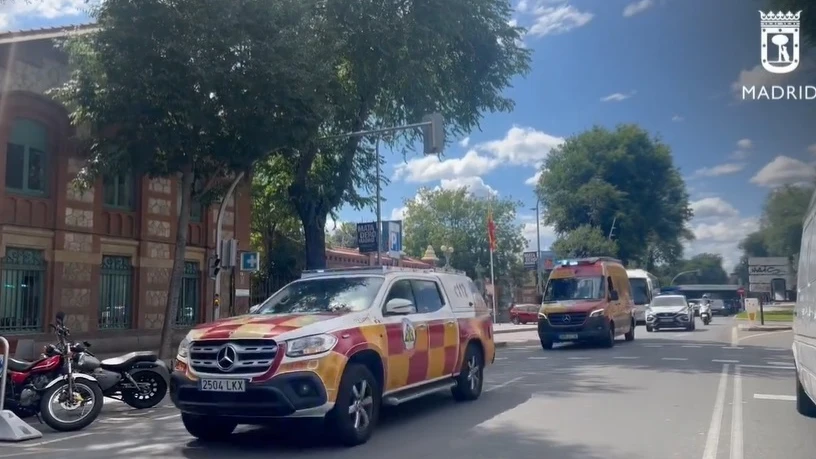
<point x="357" y="407"/>
<point x="630" y="335"/>
<point x="546" y="344"/>
<point x="471" y="377"/>
<point x="804" y="404"/>
<point x="208" y="428"/>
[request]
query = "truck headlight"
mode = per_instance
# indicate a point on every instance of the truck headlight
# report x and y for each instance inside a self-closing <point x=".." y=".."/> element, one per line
<point x="596" y="313"/>
<point x="310" y="345"/>
<point x="183" y="349"/>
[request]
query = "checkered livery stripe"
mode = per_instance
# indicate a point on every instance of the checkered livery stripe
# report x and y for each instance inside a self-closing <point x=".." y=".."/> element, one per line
<point x="438" y="349"/>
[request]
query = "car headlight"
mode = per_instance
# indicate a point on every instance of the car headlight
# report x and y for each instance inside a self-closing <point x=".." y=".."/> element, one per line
<point x="310" y="345"/>
<point x="648" y="311"/>
<point x="596" y="313"/>
<point x="542" y="315"/>
<point x="183" y="349"/>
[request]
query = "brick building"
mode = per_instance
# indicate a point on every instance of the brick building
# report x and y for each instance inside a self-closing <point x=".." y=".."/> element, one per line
<point x="102" y="256"/>
<point x="340" y="257"/>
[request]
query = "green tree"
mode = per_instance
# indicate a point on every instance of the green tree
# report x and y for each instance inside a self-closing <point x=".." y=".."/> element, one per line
<point x="709" y="266"/>
<point x="457" y="218"/>
<point x="584" y="241"/>
<point x="344" y="235"/>
<point x="181" y="88"/>
<point x="622" y="176"/>
<point x="395" y="64"/>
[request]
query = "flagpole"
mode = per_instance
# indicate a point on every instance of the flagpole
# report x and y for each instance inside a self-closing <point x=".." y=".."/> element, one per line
<point x="491" y="242"/>
<point x="493" y="283"/>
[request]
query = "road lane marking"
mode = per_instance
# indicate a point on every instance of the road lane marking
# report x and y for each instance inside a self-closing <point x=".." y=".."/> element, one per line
<point x="763" y="334"/>
<point x="734" y="335"/>
<point x="501" y="358"/>
<point x="165" y="418"/>
<point x="674" y="358"/>
<point x="770" y="362"/>
<point x="787" y="398"/>
<point x="713" y="435"/>
<point x="725" y="361"/>
<point x="770" y="367"/>
<point x="653" y="345"/>
<point x="737" y="445"/>
<point x="504" y="384"/>
<point x="692" y="345"/>
<point x="625" y="357"/>
<point x="537" y="358"/>
<point x="578" y="358"/>
<point x="732" y="347"/>
<point x="47" y="442"/>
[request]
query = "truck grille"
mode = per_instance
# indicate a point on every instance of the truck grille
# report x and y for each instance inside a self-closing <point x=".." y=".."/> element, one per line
<point x="566" y="319"/>
<point x="233" y="357"/>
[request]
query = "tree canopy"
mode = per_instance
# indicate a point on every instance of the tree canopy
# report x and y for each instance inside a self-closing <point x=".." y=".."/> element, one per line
<point x="584" y="241"/>
<point x="393" y="64"/>
<point x="344" y="235"/>
<point x="457" y="218"/>
<point x="623" y="176"/>
<point x="196" y="90"/>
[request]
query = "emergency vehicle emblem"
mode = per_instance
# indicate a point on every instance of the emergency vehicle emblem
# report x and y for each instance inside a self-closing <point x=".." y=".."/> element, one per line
<point x="408" y="334"/>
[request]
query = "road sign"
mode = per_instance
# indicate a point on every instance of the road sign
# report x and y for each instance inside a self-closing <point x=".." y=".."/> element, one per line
<point x="741" y="291"/>
<point x="530" y="260"/>
<point x="250" y="261"/>
<point x="367" y="237"/>
<point x="394" y="238"/>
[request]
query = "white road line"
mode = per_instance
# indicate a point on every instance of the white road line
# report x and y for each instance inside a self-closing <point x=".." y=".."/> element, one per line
<point x="504" y="384"/>
<point x="770" y="367"/>
<point x="764" y="334"/>
<point x="725" y="361"/>
<point x="769" y="362"/>
<point x="787" y="398"/>
<point x="713" y="435"/>
<point x="653" y="345"/>
<point x="674" y="358"/>
<point x="48" y="442"/>
<point x="732" y="347"/>
<point x="734" y="335"/>
<point x="537" y="358"/>
<point x="737" y="446"/>
<point x="625" y="357"/>
<point x="164" y="418"/>
<point x="501" y="358"/>
<point x="692" y="345"/>
<point x="578" y="358"/>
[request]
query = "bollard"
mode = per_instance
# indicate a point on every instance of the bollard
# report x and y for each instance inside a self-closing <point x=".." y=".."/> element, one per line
<point x="12" y="428"/>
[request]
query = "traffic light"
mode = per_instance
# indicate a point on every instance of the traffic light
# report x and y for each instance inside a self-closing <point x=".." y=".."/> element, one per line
<point x="214" y="267"/>
<point x="433" y="134"/>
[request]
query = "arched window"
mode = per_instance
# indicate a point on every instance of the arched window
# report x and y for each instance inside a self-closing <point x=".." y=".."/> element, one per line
<point x="26" y="157"/>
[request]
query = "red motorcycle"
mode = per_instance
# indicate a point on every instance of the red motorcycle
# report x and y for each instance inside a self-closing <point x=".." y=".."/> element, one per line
<point x="50" y="389"/>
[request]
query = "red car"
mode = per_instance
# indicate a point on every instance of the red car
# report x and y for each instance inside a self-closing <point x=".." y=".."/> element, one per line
<point x="523" y="313"/>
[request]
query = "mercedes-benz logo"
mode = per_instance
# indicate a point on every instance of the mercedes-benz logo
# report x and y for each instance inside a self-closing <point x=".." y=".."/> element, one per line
<point x="226" y="357"/>
<point x="567" y="319"/>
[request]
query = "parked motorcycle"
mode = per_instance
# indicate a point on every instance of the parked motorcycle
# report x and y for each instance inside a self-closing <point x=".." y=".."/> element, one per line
<point x="50" y="383"/>
<point x="139" y="379"/>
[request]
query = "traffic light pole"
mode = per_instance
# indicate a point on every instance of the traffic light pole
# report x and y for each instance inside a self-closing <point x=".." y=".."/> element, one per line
<point x="219" y="233"/>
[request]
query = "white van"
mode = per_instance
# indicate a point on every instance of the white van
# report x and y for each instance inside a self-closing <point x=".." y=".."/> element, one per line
<point x="804" y="321"/>
<point x="645" y="286"/>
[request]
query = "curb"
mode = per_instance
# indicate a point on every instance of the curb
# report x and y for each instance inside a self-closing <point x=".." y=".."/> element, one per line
<point x="500" y="344"/>
<point x="765" y="327"/>
<point x="514" y="330"/>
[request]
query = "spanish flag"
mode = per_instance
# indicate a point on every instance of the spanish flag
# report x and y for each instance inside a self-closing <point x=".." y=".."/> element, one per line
<point x="491" y="228"/>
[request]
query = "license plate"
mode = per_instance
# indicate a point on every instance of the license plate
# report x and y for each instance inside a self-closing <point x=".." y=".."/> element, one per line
<point x="667" y="320"/>
<point x="567" y="337"/>
<point x="222" y="385"/>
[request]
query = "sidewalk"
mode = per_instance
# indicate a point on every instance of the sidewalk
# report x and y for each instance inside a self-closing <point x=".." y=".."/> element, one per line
<point x="780" y="326"/>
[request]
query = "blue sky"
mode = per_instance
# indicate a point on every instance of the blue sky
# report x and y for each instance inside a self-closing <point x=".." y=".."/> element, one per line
<point x="669" y="65"/>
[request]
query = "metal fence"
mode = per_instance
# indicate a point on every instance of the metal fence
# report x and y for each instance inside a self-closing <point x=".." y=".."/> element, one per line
<point x="22" y="298"/>
<point x="262" y="286"/>
<point x="115" y="293"/>
<point x="189" y="308"/>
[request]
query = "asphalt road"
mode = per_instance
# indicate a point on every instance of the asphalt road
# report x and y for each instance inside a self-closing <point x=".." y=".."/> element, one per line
<point x="710" y="394"/>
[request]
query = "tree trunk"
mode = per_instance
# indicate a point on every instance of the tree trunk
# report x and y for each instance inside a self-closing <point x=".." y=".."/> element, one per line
<point x="314" y="230"/>
<point x="166" y="350"/>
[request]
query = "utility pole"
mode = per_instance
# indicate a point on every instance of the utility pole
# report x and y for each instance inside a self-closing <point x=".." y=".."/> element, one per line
<point x="538" y="244"/>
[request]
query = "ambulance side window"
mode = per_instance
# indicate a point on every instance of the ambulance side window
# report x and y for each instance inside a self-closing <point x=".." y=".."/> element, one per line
<point x="401" y="289"/>
<point x="428" y="296"/>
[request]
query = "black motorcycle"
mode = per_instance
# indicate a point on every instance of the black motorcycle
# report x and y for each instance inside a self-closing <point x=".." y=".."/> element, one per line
<point x="140" y="379"/>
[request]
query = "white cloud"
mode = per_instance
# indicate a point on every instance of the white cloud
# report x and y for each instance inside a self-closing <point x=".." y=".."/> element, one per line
<point x="529" y="231"/>
<point x="637" y="7"/>
<point x="784" y="170"/>
<point x="533" y="181"/>
<point x="475" y="185"/>
<point x="398" y="213"/>
<point x="12" y="11"/>
<point x="718" y="228"/>
<point x="719" y="170"/>
<point x="713" y="207"/>
<point x="554" y="20"/>
<point x="745" y="144"/>
<point x="618" y="97"/>
<point x="465" y="142"/>
<point x="431" y="168"/>
<point x="678" y="119"/>
<point x="522" y="146"/>
<point x="738" y="155"/>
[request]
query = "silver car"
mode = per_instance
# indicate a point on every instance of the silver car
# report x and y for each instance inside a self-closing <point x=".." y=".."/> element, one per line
<point x="669" y="311"/>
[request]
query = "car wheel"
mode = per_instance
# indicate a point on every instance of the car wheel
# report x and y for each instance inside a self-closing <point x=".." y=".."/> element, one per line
<point x="804" y="404"/>
<point x="471" y="378"/>
<point x="649" y="328"/>
<point x="609" y="341"/>
<point x="515" y="320"/>
<point x="630" y="335"/>
<point x="357" y="407"/>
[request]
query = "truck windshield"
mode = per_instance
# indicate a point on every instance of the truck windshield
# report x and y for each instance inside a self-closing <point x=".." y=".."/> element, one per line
<point x="574" y="288"/>
<point x="640" y="290"/>
<point x="327" y="294"/>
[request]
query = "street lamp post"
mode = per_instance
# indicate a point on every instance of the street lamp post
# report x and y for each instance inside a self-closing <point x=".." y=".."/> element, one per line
<point x="447" y="251"/>
<point x="693" y="271"/>
<point x="537" y="209"/>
